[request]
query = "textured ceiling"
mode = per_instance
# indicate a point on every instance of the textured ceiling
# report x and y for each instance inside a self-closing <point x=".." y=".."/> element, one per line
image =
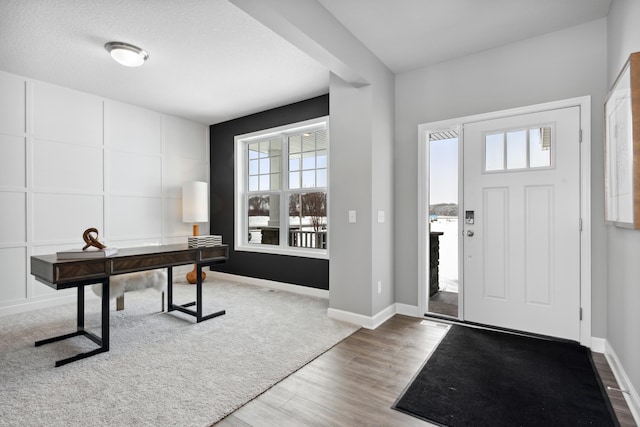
<point x="210" y="62"/>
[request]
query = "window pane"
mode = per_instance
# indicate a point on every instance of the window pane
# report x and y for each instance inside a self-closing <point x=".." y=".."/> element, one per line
<point x="294" y="180"/>
<point x="294" y="162"/>
<point x="309" y="160"/>
<point x="274" y="164"/>
<point x="263" y="220"/>
<point x="308" y="220"/>
<point x="264" y="182"/>
<point x="321" y="178"/>
<point x="264" y="165"/>
<point x="275" y="181"/>
<point x="321" y="139"/>
<point x="264" y="148"/>
<point x="321" y="159"/>
<point x="540" y="147"/>
<point x="253" y="183"/>
<point x="517" y="149"/>
<point x="295" y="144"/>
<point x="308" y="179"/>
<point x="309" y="141"/>
<point x="254" y="150"/>
<point x="253" y="167"/>
<point x="494" y="152"/>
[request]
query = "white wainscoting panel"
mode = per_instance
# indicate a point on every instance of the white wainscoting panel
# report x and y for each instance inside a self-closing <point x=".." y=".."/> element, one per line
<point x="178" y="170"/>
<point x="61" y="114"/>
<point x="12" y="265"/>
<point x="13" y="160"/>
<point x="174" y="226"/>
<point x="12" y="104"/>
<point x="181" y="139"/>
<point x="131" y="128"/>
<point x="13" y="211"/>
<point x="62" y="166"/>
<point x="135" y="174"/>
<point x="63" y="217"/>
<point x="70" y="161"/>
<point x="134" y="217"/>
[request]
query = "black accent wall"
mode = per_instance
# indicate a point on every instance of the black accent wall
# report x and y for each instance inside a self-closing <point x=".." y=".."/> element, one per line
<point x="309" y="272"/>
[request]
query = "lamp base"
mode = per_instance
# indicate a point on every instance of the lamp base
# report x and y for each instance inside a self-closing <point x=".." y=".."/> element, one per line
<point x="192" y="276"/>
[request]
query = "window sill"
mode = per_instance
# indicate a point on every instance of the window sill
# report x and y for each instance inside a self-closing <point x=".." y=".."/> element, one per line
<point x="277" y="250"/>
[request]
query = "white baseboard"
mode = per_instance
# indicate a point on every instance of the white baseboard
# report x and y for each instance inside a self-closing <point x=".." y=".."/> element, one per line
<point x="372" y="322"/>
<point x="598" y="345"/>
<point x="632" y="397"/>
<point x="368" y="322"/>
<point x="288" y="287"/>
<point x="30" y="305"/>
<point x="407" y="310"/>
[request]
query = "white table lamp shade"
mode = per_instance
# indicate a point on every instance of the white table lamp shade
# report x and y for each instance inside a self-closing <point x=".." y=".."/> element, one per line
<point x="195" y="206"/>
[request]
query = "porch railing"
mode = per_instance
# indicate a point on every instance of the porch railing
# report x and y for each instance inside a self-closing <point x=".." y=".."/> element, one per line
<point x="308" y="239"/>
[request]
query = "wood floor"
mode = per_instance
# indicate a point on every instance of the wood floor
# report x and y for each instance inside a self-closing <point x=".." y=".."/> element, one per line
<point x="357" y="381"/>
<point x="444" y="302"/>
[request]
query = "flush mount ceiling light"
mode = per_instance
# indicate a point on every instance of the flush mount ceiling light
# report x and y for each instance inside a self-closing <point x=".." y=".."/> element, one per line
<point x="126" y="54"/>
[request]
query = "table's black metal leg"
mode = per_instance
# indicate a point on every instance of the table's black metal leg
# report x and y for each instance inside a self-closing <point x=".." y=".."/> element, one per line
<point x="105" y="314"/>
<point x="80" y="308"/>
<point x="198" y="302"/>
<point x="199" y="317"/>
<point x="170" y="289"/>
<point x="103" y="341"/>
<point x="198" y="292"/>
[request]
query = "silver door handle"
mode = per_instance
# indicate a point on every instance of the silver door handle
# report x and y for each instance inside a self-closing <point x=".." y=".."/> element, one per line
<point x="470" y="233"/>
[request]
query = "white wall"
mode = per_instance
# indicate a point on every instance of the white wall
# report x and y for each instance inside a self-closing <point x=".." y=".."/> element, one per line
<point x="565" y="64"/>
<point x="623" y="246"/>
<point x="70" y="161"/>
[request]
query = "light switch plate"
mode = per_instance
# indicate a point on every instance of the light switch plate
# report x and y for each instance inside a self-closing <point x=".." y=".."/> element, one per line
<point x="380" y="216"/>
<point x="352" y="216"/>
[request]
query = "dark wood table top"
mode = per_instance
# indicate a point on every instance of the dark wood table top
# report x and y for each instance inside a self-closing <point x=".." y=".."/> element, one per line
<point x="67" y="273"/>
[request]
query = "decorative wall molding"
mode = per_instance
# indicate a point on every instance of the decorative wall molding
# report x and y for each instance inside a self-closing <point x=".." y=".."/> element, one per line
<point x="71" y="160"/>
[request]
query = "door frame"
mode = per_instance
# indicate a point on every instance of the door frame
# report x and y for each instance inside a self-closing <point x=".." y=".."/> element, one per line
<point x="584" y="103"/>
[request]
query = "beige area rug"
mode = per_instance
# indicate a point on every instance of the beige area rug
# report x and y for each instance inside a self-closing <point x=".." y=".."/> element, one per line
<point x="162" y="369"/>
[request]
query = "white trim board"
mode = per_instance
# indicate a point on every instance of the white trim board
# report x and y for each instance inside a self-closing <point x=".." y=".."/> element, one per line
<point x="368" y="322"/>
<point x="29" y="305"/>
<point x="372" y="322"/>
<point x="281" y="286"/>
<point x="632" y="398"/>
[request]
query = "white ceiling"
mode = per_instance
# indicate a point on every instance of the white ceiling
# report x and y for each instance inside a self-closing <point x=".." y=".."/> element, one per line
<point x="210" y="62"/>
<point x="411" y="34"/>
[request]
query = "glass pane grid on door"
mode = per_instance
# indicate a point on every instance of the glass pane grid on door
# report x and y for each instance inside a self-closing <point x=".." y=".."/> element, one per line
<point x="518" y="150"/>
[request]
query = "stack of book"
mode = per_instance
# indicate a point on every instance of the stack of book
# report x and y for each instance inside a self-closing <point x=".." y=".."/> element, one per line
<point x="204" y="241"/>
<point x="88" y="253"/>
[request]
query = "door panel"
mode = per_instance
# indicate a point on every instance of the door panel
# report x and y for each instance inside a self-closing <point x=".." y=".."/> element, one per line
<point x="522" y="249"/>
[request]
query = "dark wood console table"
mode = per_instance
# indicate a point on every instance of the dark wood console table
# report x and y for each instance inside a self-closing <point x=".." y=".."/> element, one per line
<point x="76" y="273"/>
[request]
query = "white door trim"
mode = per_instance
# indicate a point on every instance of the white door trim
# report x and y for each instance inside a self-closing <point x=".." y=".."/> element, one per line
<point x="585" y="197"/>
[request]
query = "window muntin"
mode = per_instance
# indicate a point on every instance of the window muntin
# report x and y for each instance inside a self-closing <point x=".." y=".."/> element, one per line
<point x="308" y="160"/>
<point x="264" y="165"/>
<point x="282" y="181"/>
<point x="517" y="150"/>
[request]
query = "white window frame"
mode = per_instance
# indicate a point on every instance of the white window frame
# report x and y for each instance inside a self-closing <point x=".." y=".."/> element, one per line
<point x="241" y="242"/>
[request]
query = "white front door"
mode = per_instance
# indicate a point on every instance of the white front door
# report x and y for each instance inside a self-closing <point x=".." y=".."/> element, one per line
<point x="522" y="232"/>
